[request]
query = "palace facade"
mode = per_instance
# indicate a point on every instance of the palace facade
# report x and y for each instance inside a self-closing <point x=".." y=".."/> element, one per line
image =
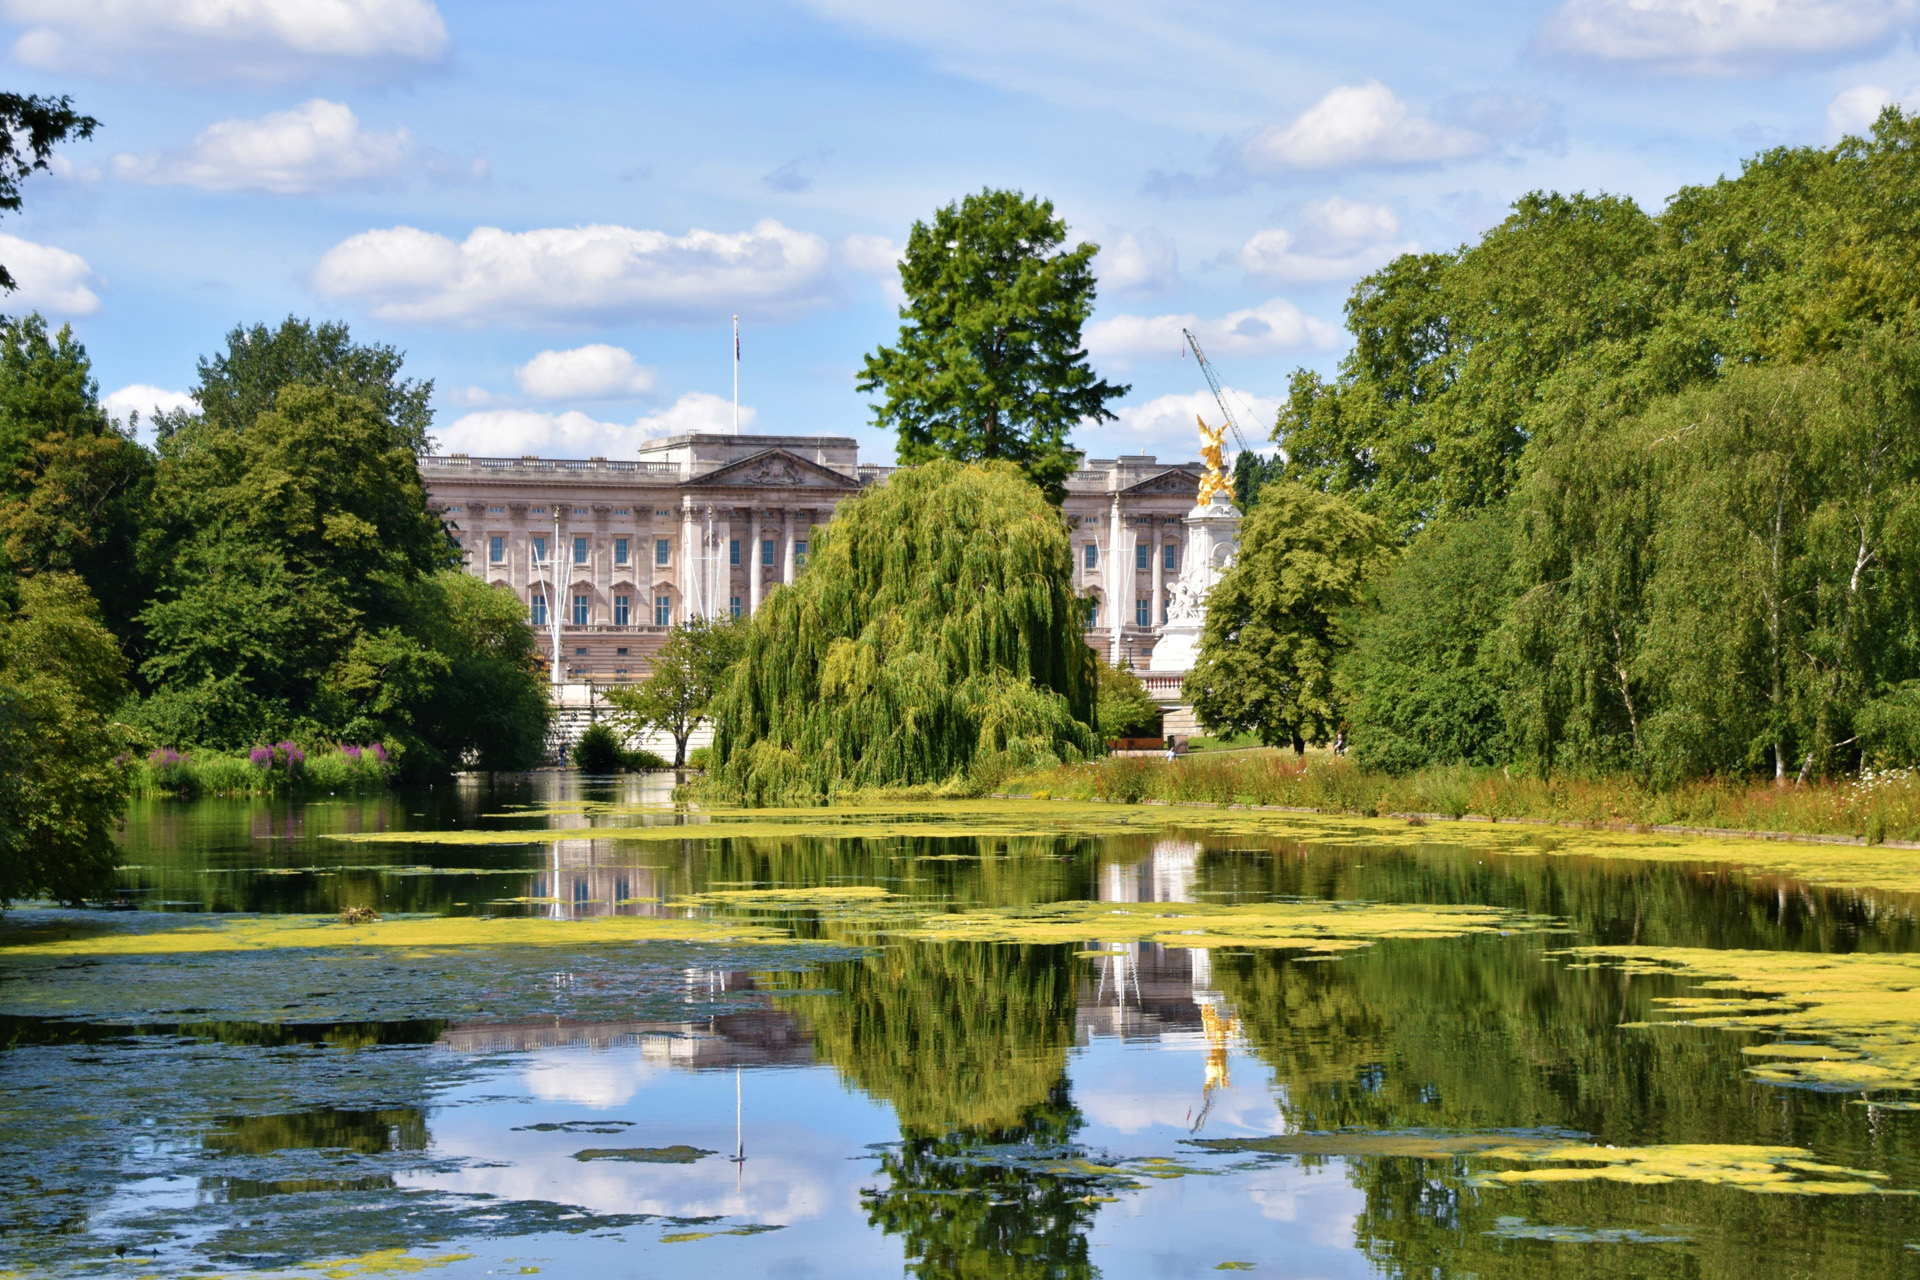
<point x="707" y="525"/>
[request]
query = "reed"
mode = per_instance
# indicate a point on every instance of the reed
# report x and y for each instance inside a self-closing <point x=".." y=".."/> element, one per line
<point x="1871" y="806"/>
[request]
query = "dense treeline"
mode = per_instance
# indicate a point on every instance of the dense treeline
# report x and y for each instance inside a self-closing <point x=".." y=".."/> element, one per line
<point x="268" y="571"/>
<point x="1657" y="477"/>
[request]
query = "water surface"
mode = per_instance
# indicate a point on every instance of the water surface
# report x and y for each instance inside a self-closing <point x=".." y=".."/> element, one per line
<point x="859" y="1105"/>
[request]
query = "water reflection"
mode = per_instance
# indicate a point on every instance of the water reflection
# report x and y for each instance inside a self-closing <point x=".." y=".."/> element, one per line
<point x="937" y="1109"/>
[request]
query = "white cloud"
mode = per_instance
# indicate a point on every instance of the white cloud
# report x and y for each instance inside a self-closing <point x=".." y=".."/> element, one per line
<point x="1164" y="426"/>
<point x="48" y="279"/>
<point x="1708" y="37"/>
<point x="315" y="147"/>
<point x="1131" y="264"/>
<point x="259" y="40"/>
<point x="593" y="372"/>
<point x="1265" y="330"/>
<point x="1343" y="240"/>
<point x="509" y="433"/>
<point x="1854" y="110"/>
<point x="579" y="274"/>
<point x="145" y="400"/>
<point x="1357" y="125"/>
<point x="872" y="255"/>
<point x="1348" y="222"/>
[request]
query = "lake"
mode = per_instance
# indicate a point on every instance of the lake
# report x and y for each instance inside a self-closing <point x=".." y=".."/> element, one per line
<point x="1026" y="1040"/>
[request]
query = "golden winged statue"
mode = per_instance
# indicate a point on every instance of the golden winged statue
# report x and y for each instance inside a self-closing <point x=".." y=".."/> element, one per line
<point x="1215" y="481"/>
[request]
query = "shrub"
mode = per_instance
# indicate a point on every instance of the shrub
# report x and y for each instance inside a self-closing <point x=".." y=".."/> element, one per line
<point x="598" y="750"/>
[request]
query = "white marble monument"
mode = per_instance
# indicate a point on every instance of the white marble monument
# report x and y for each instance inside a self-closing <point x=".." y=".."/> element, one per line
<point x="1213" y="539"/>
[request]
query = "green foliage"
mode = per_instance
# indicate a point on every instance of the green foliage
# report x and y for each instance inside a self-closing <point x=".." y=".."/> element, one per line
<point x="989" y="365"/>
<point x="1273" y="630"/>
<point x="61" y="790"/>
<point x="687" y="675"/>
<point x="1425" y="681"/>
<point x="598" y="750"/>
<point x="245" y="381"/>
<point x="1124" y="708"/>
<point x="1251" y="474"/>
<point x="325" y="770"/>
<point x="73" y="490"/>
<point x="935" y="632"/>
<point x="31" y="126"/>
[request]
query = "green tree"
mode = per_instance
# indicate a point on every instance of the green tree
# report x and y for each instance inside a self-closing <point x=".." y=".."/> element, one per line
<point x="989" y="365"/>
<point x="1124" y="708"/>
<point x="935" y="632"/>
<point x="242" y="382"/>
<point x="1425" y="679"/>
<point x="688" y="673"/>
<point x="31" y="126"/>
<point x="278" y="544"/>
<point x="62" y="791"/>
<point x="73" y="488"/>
<point x="1273" y="620"/>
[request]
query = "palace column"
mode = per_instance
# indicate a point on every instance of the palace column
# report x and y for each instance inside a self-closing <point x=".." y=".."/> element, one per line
<point x="1157" y="560"/>
<point x="753" y="557"/>
<point x="1119" y="577"/>
<point x="786" y="545"/>
<point x="689" y="571"/>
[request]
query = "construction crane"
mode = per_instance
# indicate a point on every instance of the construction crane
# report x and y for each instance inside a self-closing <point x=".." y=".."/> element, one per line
<point x="1219" y="392"/>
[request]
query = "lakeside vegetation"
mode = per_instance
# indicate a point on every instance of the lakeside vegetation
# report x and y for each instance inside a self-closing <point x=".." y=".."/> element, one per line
<point x="1873" y="806"/>
<point x="281" y="769"/>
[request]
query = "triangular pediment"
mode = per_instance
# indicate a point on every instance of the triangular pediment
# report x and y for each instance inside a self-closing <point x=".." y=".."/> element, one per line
<point x="1171" y="481"/>
<point x="774" y="469"/>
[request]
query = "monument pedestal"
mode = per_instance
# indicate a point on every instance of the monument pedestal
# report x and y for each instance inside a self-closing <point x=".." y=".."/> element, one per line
<point x="1213" y="539"/>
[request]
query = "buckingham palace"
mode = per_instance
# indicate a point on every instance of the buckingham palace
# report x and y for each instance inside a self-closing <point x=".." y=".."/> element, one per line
<point x="706" y="525"/>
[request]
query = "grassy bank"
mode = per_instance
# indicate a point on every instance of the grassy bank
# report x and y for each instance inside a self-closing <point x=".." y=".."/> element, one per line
<point x="282" y="769"/>
<point x="1874" y="807"/>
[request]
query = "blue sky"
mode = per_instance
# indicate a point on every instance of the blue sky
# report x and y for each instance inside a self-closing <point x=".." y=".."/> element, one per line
<point x="556" y="209"/>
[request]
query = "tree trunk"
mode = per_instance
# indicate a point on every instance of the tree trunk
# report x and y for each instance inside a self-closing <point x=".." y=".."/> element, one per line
<point x="680" y="749"/>
<point x="1299" y="745"/>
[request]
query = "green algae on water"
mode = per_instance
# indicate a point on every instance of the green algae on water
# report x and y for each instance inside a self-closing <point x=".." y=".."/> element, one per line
<point x="1789" y="1170"/>
<point x="1306" y="926"/>
<point x="679" y="1153"/>
<point x="1847" y="1021"/>
<point x="202" y="934"/>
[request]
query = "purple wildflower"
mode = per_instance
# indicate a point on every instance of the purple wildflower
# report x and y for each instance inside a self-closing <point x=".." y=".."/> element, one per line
<point x="351" y="753"/>
<point x="379" y="752"/>
<point x="162" y="757"/>
<point x="262" y="757"/>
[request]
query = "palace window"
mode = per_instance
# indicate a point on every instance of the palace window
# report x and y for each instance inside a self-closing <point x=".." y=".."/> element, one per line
<point x="539" y="550"/>
<point x="663" y="611"/>
<point x="1143" y="612"/>
<point x="579" y="550"/>
<point x="1093" y="613"/>
<point x="800" y="554"/>
<point x="663" y="513"/>
<point x="619" y="550"/>
<point x="733" y="552"/>
<point x="1093" y="555"/>
<point x="536" y="511"/>
<point x="1170" y="557"/>
<point x="768" y="549"/>
<point x="621" y="612"/>
<point x="581" y="511"/>
<point x="579" y="653"/>
<point x="496" y="511"/>
<point x="1142" y="557"/>
<point x="580" y="611"/>
<point x="497" y="549"/>
<point x="623" y="511"/>
<point x="540" y="610"/>
<point x="619" y="653"/>
<point x="733" y="605"/>
<point x="662" y="549"/>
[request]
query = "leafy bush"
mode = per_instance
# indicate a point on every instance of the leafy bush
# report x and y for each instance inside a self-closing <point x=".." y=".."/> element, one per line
<point x="598" y="750"/>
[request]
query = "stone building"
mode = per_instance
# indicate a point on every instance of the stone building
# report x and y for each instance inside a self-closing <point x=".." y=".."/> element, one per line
<point x="708" y="525"/>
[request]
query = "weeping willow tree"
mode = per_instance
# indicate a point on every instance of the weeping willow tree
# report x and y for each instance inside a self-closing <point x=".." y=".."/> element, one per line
<point x="935" y="635"/>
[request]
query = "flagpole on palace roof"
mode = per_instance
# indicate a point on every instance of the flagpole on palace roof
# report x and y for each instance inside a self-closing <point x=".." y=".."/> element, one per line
<point x="736" y="375"/>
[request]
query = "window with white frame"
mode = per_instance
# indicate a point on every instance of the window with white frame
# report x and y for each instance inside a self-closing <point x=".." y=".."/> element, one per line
<point x="1093" y="555"/>
<point x="619" y="550"/>
<point x="1142" y="557"/>
<point x="496" y="550"/>
<point x="1143" y="612"/>
<point x="579" y="550"/>
<point x="662" y="551"/>
<point x="663" y="611"/>
<point x="539" y="609"/>
<point x="622" y="610"/>
<point x="579" y="609"/>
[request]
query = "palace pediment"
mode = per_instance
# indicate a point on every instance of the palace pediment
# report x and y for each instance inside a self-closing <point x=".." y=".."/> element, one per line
<point x="774" y="469"/>
<point x="1174" y="480"/>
